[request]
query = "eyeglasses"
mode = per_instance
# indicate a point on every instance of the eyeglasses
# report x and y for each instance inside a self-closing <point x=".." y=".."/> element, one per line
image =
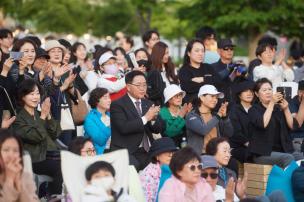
<point x="89" y="151"/>
<point x="139" y="85"/>
<point x="212" y="175"/>
<point x="228" y="48"/>
<point x="194" y="167"/>
<point x="178" y="95"/>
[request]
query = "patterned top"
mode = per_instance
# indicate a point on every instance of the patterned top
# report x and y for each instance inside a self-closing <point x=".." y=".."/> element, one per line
<point x="149" y="178"/>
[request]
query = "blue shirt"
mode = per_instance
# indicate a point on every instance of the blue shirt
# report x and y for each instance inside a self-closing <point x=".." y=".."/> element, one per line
<point x="294" y="106"/>
<point x="97" y="130"/>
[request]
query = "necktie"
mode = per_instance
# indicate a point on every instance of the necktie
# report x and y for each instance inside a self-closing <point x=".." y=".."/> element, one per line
<point x="222" y="175"/>
<point x="145" y="140"/>
<point x="137" y="106"/>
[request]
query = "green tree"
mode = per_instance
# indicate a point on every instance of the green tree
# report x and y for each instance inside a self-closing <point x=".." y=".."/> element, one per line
<point x="251" y="18"/>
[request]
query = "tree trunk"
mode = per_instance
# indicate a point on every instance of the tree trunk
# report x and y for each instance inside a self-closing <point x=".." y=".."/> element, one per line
<point x="253" y="38"/>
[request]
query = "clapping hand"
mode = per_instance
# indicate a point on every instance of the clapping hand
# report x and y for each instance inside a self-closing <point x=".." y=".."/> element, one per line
<point x="7" y="66"/>
<point x="223" y="110"/>
<point x="241" y="186"/>
<point x="152" y="112"/>
<point x="45" y="109"/>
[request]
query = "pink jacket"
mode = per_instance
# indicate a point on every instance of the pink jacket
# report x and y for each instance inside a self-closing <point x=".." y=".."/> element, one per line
<point x="174" y="191"/>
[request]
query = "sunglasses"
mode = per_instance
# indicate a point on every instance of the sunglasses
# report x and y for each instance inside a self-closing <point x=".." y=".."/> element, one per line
<point x="212" y="175"/>
<point x="228" y="48"/>
<point x="194" y="167"/>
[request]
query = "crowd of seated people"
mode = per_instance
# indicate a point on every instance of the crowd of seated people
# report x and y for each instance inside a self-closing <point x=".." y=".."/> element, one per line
<point x="224" y="113"/>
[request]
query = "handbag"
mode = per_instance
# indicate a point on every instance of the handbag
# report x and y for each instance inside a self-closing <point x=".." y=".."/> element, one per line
<point x="79" y="109"/>
<point x="66" y="120"/>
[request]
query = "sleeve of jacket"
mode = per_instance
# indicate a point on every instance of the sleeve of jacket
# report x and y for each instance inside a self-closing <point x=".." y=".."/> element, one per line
<point x="155" y="86"/>
<point x="121" y="123"/>
<point x="94" y="131"/>
<point x="167" y="193"/>
<point x="186" y="82"/>
<point x="28" y="193"/>
<point x="256" y="118"/>
<point x="112" y="86"/>
<point x="226" y="128"/>
<point x="157" y="126"/>
<point x="53" y="128"/>
<point x="237" y="136"/>
<point x="149" y="181"/>
<point x="195" y="124"/>
<point x="33" y="133"/>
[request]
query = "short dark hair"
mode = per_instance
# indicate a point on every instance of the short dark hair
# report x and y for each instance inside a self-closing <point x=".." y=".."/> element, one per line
<point x="97" y="166"/>
<point x="211" y="147"/>
<point x="205" y="32"/>
<point x="77" y="144"/>
<point x="182" y="157"/>
<point x="148" y="34"/>
<point x="95" y="95"/>
<point x="260" y="82"/>
<point x="6" y="134"/>
<point x="27" y="86"/>
<point x="189" y="48"/>
<point x="129" y="40"/>
<point x="268" y="40"/>
<point x="131" y="75"/>
<point x="20" y="42"/>
<point x="144" y="50"/>
<point x="261" y="48"/>
<point x="34" y="39"/>
<point x="5" y="32"/>
<point x="65" y="43"/>
<point x="119" y="49"/>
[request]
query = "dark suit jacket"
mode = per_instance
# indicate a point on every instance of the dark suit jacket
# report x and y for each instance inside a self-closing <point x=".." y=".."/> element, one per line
<point x="127" y="128"/>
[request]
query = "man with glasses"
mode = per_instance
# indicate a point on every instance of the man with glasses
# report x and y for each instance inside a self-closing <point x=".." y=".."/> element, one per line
<point x="224" y="66"/>
<point x="133" y="120"/>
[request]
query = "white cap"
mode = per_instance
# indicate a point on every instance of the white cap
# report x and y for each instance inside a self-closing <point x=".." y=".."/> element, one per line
<point x="105" y="57"/>
<point x="211" y="90"/>
<point x="172" y="90"/>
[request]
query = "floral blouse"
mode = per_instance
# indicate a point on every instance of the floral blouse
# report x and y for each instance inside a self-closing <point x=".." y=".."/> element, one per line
<point x="149" y="178"/>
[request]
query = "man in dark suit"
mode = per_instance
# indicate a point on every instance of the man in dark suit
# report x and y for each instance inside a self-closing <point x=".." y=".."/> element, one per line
<point x="133" y="120"/>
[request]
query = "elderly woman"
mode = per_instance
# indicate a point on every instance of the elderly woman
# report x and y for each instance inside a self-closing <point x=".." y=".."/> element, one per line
<point x="210" y="173"/>
<point x="173" y="113"/>
<point x="97" y="122"/>
<point x="270" y="122"/>
<point x="16" y="185"/>
<point x="203" y="124"/>
<point x="186" y="183"/>
<point x="161" y="152"/>
<point x="82" y="146"/>
<point x="220" y="149"/>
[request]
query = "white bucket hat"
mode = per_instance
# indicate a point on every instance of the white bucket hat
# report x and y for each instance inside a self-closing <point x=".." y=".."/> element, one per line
<point x="105" y="57"/>
<point x="211" y="90"/>
<point x="53" y="44"/>
<point x="172" y="90"/>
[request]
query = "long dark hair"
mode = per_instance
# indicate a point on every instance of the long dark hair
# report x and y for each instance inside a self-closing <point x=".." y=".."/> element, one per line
<point x="74" y="47"/>
<point x="6" y="134"/>
<point x="158" y="52"/>
<point x="189" y="48"/>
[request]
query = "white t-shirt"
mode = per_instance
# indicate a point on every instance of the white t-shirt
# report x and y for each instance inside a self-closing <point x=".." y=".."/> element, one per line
<point x="220" y="194"/>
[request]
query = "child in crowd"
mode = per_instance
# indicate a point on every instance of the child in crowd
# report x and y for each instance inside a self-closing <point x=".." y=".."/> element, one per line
<point x="100" y="177"/>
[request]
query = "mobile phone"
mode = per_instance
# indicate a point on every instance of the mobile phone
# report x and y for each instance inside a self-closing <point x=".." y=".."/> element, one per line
<point x="76" y="70"/>
<point x="285" y="91"/>
<point x="16" y="55"/>
<point x="133" y="60"/>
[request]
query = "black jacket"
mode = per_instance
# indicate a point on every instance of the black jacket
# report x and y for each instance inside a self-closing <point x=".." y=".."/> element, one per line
<point x="262" y="140"/>
<point x="187" y="73"/>
<point x="127" y="128"/>
<point x="156" y="87"/>
<point x="240" y="122"/>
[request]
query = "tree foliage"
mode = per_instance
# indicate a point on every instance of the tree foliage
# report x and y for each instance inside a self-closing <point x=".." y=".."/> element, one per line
<point x="239" y="17"/>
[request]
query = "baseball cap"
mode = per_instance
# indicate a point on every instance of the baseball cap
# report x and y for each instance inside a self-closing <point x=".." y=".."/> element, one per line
<point x="211" y="90"/>
<point x="222" y="43"/>
<point x="105" y="57"/>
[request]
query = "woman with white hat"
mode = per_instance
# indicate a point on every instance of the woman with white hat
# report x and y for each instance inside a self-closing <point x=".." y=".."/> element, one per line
<point x="173" y="113"/>
<point x="203" y="124"/>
